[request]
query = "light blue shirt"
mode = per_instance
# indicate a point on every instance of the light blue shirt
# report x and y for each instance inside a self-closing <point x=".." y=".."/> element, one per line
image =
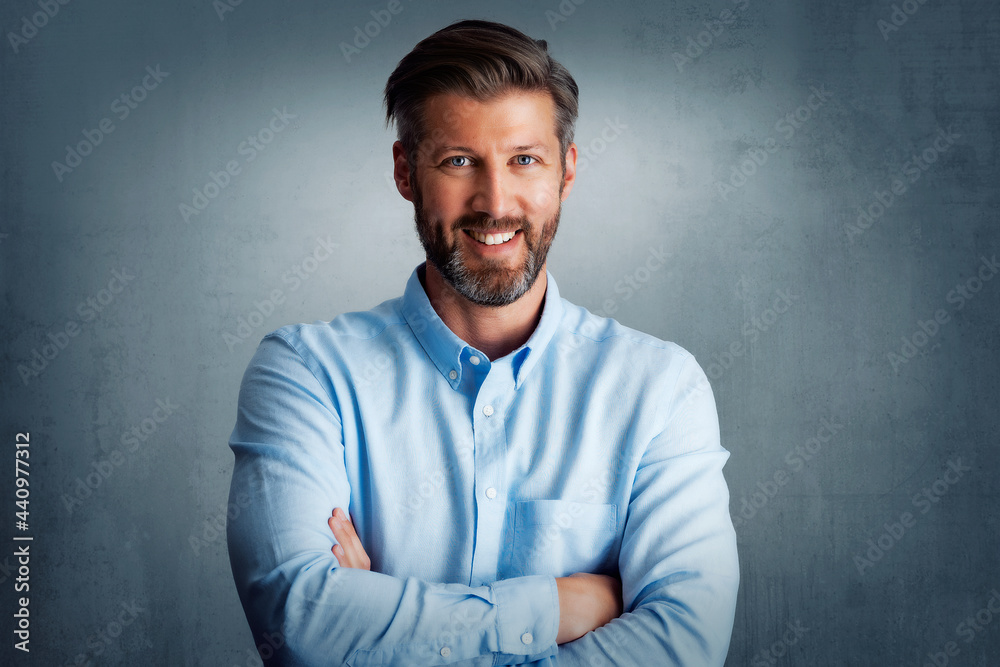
<point x="473" y="484"/>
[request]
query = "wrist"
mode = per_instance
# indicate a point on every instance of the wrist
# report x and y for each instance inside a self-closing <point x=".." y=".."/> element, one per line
<point x="569" y="621"/>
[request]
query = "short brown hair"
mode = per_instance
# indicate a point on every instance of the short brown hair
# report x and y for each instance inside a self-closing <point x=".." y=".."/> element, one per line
<point x="481" y="60"/>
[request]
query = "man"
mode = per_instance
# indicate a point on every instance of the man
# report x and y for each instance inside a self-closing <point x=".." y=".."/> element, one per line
<point x="526" y="483"/>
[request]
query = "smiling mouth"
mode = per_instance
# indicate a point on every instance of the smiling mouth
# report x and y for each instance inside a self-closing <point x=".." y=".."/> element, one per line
<point x="498" y="238"/>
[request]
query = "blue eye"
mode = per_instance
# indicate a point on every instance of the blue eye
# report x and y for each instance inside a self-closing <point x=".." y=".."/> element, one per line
<point x="451" y="161"/>
<point x="525" y="160"/>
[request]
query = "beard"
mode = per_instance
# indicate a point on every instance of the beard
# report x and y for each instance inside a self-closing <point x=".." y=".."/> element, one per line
<point x="490" y="282"/>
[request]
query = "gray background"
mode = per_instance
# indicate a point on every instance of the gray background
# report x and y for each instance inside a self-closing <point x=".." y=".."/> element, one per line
<point x="146" y="536"/>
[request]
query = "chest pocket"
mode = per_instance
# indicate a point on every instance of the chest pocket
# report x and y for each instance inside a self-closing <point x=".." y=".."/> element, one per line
<point x="560" y="537"/>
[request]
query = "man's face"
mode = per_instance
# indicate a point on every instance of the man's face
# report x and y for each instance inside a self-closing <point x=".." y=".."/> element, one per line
<point x="487" y="192"/>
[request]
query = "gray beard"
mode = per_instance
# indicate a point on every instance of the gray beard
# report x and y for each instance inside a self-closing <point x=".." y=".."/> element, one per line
<point x="483" y="291"/>
<point x="492" y="286"/>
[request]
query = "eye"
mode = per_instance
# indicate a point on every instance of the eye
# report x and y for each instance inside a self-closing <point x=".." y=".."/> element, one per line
<point x="456" y="161"/>
<point x="525" y="160"/>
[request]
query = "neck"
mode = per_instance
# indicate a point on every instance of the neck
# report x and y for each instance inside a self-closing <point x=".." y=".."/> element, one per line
<point x="495" y="330"/>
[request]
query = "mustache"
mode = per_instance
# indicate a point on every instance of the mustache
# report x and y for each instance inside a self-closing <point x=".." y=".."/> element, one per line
<point x="485" y="224"/>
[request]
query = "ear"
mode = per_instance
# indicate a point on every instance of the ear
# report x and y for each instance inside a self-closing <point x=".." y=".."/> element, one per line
<point x="569" y="177"/>
<point x="401" y="171"/>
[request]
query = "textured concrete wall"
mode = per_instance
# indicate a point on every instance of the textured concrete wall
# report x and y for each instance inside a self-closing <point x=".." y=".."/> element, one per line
<point x="822" y="175"/>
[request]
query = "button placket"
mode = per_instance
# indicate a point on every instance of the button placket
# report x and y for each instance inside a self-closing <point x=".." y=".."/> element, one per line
<point x="491" y="451"/>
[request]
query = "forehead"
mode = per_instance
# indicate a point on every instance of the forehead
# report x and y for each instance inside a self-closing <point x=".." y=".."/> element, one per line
<point x="518" y="117"/>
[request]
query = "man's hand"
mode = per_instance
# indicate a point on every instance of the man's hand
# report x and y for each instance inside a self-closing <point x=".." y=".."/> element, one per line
<point x="349" y="552"/>
<point x="586" y="602"/>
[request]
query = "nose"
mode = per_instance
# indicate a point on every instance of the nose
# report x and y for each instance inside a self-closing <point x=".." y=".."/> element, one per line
<point x="493" y="196"/>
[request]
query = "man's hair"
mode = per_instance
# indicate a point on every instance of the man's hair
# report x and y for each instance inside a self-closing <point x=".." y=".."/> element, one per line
<point x="481" y="60"/>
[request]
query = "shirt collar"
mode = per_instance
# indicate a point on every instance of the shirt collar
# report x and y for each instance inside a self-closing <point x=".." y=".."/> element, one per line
<point x="445" y="348"/>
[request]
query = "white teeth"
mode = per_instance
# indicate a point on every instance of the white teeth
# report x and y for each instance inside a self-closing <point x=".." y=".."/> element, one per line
<point x="493" y="239"/>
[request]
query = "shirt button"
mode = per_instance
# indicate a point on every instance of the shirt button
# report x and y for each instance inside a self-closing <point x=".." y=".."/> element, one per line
<point x="491" y="493"/>
<point x="474" y="360"/>
<point x="526" y="638"/>
<point x="453" y="375"/>
<point x="488" y="410"/>
<point x="445" y="652"/>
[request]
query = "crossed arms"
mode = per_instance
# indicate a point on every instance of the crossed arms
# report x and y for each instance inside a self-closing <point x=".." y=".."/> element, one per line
<point x="677" y="562"/>
<point x="586" y="601"/>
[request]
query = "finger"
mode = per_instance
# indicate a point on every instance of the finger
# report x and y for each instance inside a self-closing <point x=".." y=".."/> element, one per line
<point x="344" y="550"/>
<point x="359" y="555"/>
<point x="335" y="526"/>
<point x="344" y="527"/>
<point x="338" y="550"/>
<point x="352" y="535"/>
<point x="354" y="554"/>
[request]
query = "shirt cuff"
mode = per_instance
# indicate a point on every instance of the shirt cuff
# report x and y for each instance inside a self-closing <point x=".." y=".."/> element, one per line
<point x="527" y="614"/>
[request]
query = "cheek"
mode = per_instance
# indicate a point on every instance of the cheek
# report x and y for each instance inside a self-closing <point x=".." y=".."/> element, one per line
<point x="445" y="200"/>
<point x="544" y="197"/>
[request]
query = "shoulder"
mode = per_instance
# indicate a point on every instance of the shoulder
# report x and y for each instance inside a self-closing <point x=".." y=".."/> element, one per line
<point x="583" y="329"/>
<point x="344" y="329"/>
<point x="653" y="371"/>
<point x="324" y="345"/>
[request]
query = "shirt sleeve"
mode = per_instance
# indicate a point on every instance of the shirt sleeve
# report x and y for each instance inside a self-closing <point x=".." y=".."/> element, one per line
<point x="302" y="607"/>
<point x="678" y="560"/>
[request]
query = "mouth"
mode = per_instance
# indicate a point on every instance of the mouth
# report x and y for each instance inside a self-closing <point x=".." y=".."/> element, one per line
<point x="495" y="238"/>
